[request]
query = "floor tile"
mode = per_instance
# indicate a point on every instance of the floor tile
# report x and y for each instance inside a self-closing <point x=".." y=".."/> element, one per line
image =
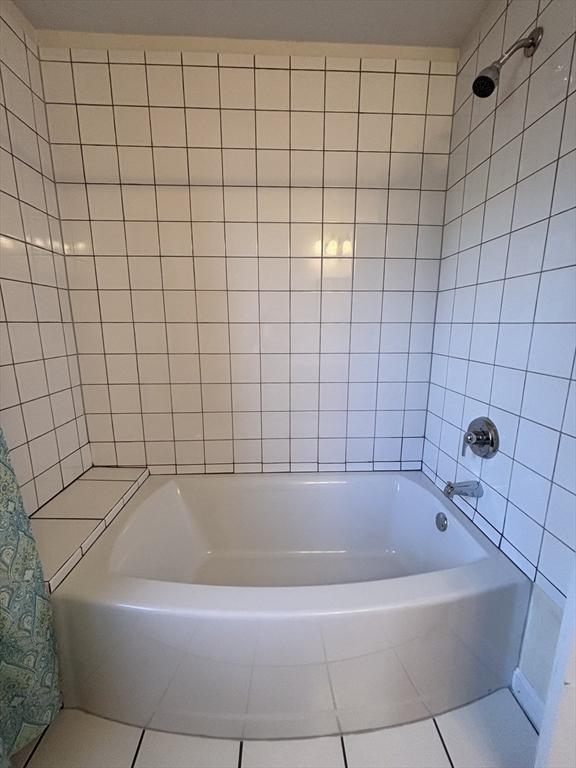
<point x="173" y="750"/>
<point x="78" y="740"/>
<point x="57" y="540"/>
<point x="113" y="473"/>
<point x="88" y="499"/>
<point x="416" y="745"/>
<point x="493" y="732"/>
<point x="294" y="753"/>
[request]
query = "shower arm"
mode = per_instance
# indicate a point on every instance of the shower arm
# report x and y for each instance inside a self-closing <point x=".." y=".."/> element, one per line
<point x="529" y="44"/>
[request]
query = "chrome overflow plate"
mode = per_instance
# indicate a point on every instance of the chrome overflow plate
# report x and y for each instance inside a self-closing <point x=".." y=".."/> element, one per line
<point x="482" y="438"/>
<point x="441" y="521"/>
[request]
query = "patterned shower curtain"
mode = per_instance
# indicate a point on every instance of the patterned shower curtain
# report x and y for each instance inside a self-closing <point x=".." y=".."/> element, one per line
<point x="29" y="691"/>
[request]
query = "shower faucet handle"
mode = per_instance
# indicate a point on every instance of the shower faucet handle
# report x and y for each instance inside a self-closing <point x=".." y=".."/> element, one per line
<point x="482" y="437"/>
<point x="470" y="438"/>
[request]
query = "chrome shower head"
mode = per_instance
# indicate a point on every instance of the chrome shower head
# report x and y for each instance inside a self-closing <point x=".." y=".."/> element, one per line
<point x="487" y="79"/>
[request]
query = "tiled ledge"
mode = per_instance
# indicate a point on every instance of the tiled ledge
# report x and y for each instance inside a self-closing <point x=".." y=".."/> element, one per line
<point x="66" y="527"/>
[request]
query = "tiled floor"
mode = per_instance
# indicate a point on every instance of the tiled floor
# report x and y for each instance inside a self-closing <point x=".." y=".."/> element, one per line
<point x="66" y="527"/>
<point x="491" y="733"/>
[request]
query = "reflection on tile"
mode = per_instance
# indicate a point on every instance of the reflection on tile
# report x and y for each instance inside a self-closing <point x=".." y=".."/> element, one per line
<point x="358" y="685"/>
<point x="171" y="750"/>
<point x="490" y="733"/>
<point x="445" y="671"/>
<point x="89" y="499"/>
<point x="294" y="753"/>
<point x="416" y="745"/>
<point x="57" y="540"/>
<point x="78" y="740"/>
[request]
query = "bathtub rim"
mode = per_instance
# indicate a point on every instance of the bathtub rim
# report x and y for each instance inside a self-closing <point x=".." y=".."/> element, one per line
<point x="90" y="581"/>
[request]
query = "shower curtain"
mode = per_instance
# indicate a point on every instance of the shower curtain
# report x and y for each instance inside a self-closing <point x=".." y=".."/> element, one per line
<point x="29" y="691"/>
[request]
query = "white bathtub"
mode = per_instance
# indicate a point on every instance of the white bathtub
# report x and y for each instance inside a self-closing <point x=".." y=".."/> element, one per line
<point x="277" y="606"/>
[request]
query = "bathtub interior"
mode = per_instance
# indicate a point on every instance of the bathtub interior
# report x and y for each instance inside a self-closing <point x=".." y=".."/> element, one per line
<point x="288" y="531"/>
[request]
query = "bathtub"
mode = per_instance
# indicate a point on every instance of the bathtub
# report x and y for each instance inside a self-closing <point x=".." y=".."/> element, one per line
<point x="293" y="605"/>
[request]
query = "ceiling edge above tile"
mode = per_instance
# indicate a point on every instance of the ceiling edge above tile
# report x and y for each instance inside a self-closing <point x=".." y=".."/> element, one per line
<point x="48" y="38"/>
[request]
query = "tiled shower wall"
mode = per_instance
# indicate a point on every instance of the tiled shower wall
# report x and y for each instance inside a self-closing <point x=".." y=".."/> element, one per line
<point x="504" y="341"/>
<point x="252" y="247"/>
<point x="41" y="410"/>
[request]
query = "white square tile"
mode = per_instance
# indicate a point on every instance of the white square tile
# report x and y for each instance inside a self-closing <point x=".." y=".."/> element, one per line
<point x="545" y="399"/>
<point x="416" y="745"/>
<point x="201" y="88"/>
<point x="547" y="351"/>
<point x="58" y="540"/>
<point x="203" y="128"/>
<point x="165" y="86"/>
<point x="128" y="84"/>
<point x="342" y="91"/>
<point x="556" y="562"/>
<point x="307" y="131"/>
<point x="374" y="133"/>
<point x="73" y="503"/>
<point x="272" y="129"/>
<point x="96" y="125"/>
<point x="564" y="472"/>
<point x="557" y="296"/>
<point x="407" y="133"/>
<point x="238" y="128"/>
<point x="290" y="753"/>
<point x="237" y="88"/>
<point x="562" y="228"/>
<point x="273" y="167"/>
<point x="307" y="90"/>
<point x="170" y="750"/>
<point x="490" y="733"/>
<point x="410" y="94"/>
<point x="272" y="89"/>
<point x="533" y="197"/>
<point x="547" y="86"/>
<point x="135" y="165"/>
<point x="540" y="142"/>
<point x="168" y="127"/>
<point x="441" y="95"/>
<point x="523" y="533"/>
<point x="58" y="84"/>
<point x="92" y="84"/>
<point x="76" y="738"/>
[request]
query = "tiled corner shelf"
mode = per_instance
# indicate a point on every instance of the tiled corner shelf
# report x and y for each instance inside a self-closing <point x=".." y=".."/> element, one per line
<point x="66" y="527"/>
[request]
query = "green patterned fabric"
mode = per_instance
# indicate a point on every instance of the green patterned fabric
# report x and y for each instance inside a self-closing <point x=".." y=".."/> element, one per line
<point x="29" y="690"/>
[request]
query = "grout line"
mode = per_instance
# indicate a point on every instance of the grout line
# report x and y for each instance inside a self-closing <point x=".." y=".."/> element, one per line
<point x="443" y="742"/>
<point x="232" y="457"/>
<point x="258" y="293"/>
<point x="91" y="235"/>
<point x="140" y="740"/>
<point x="344" y="755"/>
<point x="321" y="280"/>
<point x="194" y="291"/>
<point x="240" y="751"/>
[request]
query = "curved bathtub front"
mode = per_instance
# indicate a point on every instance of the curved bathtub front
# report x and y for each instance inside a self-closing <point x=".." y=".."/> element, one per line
<point x="279" y="662"/>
